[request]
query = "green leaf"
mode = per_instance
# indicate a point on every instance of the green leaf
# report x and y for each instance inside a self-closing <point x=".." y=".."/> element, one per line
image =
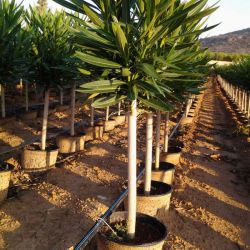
<point x="149" y="70"/>
<point x="97" y="61"/>
<point x="156" y="104"/>
<point x="85" y="72"/>
<point x="104" y="102"/>
<point x="102" y="84"/>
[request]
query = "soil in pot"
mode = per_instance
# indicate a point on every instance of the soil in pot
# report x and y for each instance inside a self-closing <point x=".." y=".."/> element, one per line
<point x="172" y="156"/>
<point x="34" y="159"/>
<point x="165" y="173"/>
<point x="70" y="144"/>
<point x="5" y="172"/>
<point x="150" y="234"/>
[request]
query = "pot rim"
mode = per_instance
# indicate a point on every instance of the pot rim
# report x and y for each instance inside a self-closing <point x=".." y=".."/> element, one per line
<point x="163" y="166"/>
<point x="138" y="215"/>
<point x="54" y="149"/>
<point x="158" y="195"/>
<point x="67" y="135"/>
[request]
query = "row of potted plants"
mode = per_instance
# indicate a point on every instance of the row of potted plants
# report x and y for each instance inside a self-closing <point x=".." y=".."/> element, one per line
<point x="144" y="53"/>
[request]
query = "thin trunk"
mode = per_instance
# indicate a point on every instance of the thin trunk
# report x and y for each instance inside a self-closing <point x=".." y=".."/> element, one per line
<point x="148" y="160"/>
<point x="187" y="106"/>
<point x="119" y="108"/>
<point x="158" y="136"/>
<point x="3" y="101"/>
<point x="21" y="86"/>
<point x="45" y="119"/>
<point x="107" y="114"/>
<point x="92" y="114"/>
<point x="26" y="96"/>
<point x="166" y="132"/>
<point x="61" y="96"/>
<point x="73" y="104"/>
<point x="132" y="169"/>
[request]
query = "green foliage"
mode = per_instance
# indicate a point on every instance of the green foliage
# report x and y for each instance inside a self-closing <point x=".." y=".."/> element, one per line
<point x="152" y="46"/>
<point x="51" y="48"/>
<point x="229" y="57"/>
<point x="237" y="73"/>
<point x="11" y="39"/>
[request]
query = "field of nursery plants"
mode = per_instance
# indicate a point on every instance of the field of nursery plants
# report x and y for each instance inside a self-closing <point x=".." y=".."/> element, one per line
<point x="116" y="133"/>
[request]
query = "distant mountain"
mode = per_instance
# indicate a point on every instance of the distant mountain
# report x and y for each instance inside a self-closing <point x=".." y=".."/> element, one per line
<point x="233" y="42"/>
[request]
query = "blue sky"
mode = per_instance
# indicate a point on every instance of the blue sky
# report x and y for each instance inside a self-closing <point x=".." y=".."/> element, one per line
<point x="232" y="14"/>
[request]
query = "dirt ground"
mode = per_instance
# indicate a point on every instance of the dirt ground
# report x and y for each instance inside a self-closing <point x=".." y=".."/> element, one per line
<point x="210" y="203"/>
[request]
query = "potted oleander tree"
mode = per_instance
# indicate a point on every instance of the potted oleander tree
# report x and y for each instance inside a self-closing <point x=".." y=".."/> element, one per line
<point x="120" y="36"/>
<point x="51" y="47"/>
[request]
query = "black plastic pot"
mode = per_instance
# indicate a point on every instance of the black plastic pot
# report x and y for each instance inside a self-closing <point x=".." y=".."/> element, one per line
<point x="105" y="242"/>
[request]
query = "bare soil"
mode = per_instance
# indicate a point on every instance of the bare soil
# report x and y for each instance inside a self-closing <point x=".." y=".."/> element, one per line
<point x="210" y="206"/>
<point x="210" y="203"/>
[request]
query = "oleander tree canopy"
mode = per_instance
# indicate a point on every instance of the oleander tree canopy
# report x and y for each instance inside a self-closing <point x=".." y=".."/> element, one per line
<point x="139" y="47"/>
<point x="10" y="43"/>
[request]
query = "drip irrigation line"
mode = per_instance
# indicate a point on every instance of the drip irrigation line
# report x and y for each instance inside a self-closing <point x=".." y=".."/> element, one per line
<point x="94" y="229"/>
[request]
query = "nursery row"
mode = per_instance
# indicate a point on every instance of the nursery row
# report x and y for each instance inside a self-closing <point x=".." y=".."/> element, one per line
<point x="145" y="54"/>
<point x="156" y="203"/>
<point x="228" y="57"/>
<point x="239" y="96"/>
<point x="236" y="73"/>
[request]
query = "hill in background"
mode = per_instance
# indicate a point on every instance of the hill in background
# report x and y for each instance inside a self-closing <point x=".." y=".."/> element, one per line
<point x="233" y="42"/>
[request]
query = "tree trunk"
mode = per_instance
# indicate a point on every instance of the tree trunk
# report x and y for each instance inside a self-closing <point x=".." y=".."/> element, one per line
<point x="21" y="86"/>
<point x="148" y="160"/>
<point x="45" y="119"/>
<point x="3" y="101"/>
<point x="73" y="104"/>
<point x="26" y="96"/>
<point x="119" y="108"/>
<point x="92" y="114"/>
<point x="107" y="114"/>
<point x="166" y="133"/>
<point x="61" y="96"/>
<point x="157" y="142"/>
<point x="132" y="169"/>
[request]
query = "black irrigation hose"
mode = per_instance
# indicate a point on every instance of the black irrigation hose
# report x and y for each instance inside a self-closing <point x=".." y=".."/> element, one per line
<point x="94" y="229"/>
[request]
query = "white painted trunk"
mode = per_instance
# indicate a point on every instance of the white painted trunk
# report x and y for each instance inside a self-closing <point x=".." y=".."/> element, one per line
<point x="73" y="104"/>
<point x="45" y="119"/>
<point x="157" y="142"/>
<point x="26" y="96"/>
<point x="148" y="159"/>
<point x="132" y="169"/>
<point x="92" y="114"/>
<point x="166" y="132"/>
<point x="21" y="86"/>
<point x="61" y="96"/>
<point x="119" y="108"/>
<point x="248" y="109"/>
<point x="187" y="106"/>
<point x="3" y="101"/>
<point x="107" y="114"/>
